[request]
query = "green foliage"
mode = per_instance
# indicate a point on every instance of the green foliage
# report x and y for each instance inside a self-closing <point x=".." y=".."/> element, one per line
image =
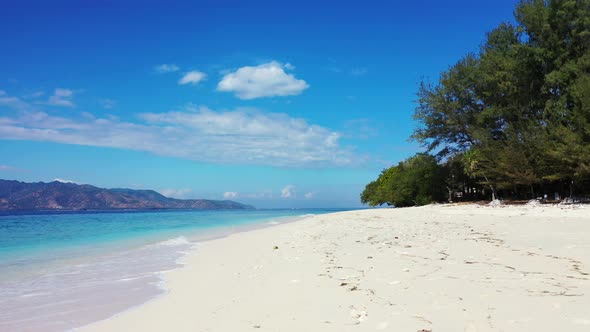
<point x="418" y="180"/>
<point x="518" y="113"/>
<point x="448" y="110"/>
<point x="514" y="117"/>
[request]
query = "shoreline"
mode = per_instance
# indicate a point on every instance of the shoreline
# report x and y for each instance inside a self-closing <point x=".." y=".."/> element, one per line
<point x="239" y="282"/>
<point x="197" y="241"/>
<point x="104" y="281"/>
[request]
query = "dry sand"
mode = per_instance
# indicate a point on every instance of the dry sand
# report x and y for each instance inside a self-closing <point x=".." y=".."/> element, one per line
<point x="439" y="268"/>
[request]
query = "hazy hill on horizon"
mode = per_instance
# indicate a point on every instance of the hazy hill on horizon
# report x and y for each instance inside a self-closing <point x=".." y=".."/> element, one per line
<point x="16" y="195"/>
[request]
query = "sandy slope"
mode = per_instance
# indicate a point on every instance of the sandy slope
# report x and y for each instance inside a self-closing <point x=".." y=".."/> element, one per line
<point x="439" y="268"/>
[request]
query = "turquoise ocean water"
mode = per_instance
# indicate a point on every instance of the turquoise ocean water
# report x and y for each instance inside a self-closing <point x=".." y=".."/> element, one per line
<point x="62" y="270"/>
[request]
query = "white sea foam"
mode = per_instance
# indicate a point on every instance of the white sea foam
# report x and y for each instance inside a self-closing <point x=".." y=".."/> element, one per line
<point x="177" y="241"/>
<point x="282" y="220"/>
<point x="116" y="280"/>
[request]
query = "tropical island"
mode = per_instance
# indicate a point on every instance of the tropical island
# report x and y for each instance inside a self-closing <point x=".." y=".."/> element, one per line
<point x="509" y="123"/>
<point x="62" y="196"/>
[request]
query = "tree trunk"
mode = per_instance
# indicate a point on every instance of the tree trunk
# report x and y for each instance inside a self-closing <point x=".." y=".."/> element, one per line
<point x="491" y="187"/>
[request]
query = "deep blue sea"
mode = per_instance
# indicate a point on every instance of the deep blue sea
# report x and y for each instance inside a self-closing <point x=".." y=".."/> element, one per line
<point x="63" y="270"/>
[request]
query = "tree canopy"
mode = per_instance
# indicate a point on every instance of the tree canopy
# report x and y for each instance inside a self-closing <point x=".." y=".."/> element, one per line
<point x="515" y="114"/>
<point x="416" y="181"/>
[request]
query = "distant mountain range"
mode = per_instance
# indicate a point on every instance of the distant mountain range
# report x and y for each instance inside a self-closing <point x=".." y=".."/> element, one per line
<point x="16" y="195"/>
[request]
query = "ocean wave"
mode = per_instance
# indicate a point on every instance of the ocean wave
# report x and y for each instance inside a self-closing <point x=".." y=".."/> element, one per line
<point x="177" y="241"/>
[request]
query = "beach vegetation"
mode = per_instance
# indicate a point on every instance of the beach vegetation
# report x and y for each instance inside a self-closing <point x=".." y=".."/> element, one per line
<point x="511" y="120"/>
<point x="418" y="180"/>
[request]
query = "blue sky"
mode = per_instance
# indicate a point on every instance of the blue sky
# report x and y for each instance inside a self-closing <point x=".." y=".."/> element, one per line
<point x="272" y="103"/>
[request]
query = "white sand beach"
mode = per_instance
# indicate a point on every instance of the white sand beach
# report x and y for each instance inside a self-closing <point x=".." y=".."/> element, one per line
<point x="438" y="268"/>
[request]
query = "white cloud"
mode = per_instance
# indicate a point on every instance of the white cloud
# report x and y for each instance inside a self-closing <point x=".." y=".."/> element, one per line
<point x="34" y="95"/>
<point x="230" y="194"/>
<point x="361" y="128"/>
<point x="166" y="68"/>
<point x="175" y="193"/>
<point x="241" y="136"/>
<point x="63" y="180"/>
<point x="333" y="69"/>
<point x="265" y="194"/>
<point x="309" y="195"/>
<point x="359" y="71"/>
<point x="192" y="77"/>
<point x="266" y="80"/>
<point x="13" y="102"/>
<point x="10" y="168"/>
<point x="356" y="71"/>
<point x="61" y="97"/>
<point x="9" y="100"/>
<point x="288" y="191"/>
<point x="108" y="103"/>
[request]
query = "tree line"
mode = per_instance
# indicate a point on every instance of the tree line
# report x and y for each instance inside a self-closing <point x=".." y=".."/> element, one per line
<point x="511" y="120"/>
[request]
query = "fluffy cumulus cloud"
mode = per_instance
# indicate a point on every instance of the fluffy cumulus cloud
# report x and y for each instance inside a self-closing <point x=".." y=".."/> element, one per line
<point x="166" y="68"/>
<point x="266" y="80"/>
<point x="230" y="195"/>
<point x="192" y="77"/>
<point x="240" y="136"/>
<point x="288" y="191"/>
<point x="61" y="97"/>
<point x="176" y="193"/>
<point x="309" y="195"/>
